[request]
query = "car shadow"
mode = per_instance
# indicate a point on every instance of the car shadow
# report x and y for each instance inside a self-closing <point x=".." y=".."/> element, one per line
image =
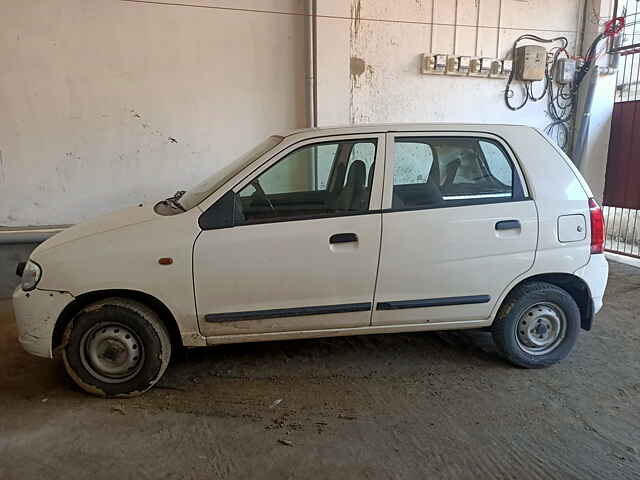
<point x="354" y="353"/>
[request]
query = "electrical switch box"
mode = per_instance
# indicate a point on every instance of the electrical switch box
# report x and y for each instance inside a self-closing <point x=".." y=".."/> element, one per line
<point x="440" y="63"/>
<point x="564" y="70"/>
<point x="479" y="67"/>
<point x="463" y="65"/>
<point x="433" y="64"/>
<point x="457" y="65"/>
<point x="507" y="67"/>
<point x="475" y="66"/>
<point x="485" y="65"/>
<point x="428" y="62"/>
<point x="495" y="70"/>
<point x="530" y="62"/>
<point x="501" y="68"/>
<point x="452" y="65"/>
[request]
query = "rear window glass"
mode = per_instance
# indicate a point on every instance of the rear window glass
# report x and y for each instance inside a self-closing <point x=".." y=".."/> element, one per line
<point x="441" y="171"/>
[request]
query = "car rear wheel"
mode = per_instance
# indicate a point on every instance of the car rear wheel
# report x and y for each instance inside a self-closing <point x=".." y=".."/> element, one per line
<point x="116" y="348"/>
<point x="537" y="325"/>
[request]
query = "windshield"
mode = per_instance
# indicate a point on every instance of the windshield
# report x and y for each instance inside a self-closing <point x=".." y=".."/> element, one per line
<point x="197" y="194"/>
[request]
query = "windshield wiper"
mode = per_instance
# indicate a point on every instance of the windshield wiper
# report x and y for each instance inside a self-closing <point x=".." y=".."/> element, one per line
<point x="173" y="201"/>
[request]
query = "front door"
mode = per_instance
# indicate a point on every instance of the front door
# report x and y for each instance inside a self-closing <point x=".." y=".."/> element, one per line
<point x="303" y="248"/>
<point x="460" y="228"/>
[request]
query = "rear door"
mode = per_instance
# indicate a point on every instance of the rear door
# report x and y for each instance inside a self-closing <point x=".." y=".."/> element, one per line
<point x="458" y="227"/>
<point x="302" y="250"/>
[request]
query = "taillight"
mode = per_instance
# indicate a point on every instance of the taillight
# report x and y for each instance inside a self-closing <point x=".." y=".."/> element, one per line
<point x="597" y="227"/>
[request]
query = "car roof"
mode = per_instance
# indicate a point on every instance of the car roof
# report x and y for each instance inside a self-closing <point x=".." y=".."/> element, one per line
<point x="399" y="127"/>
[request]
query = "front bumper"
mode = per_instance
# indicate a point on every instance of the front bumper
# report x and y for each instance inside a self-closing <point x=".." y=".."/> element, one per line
<point x="36" y="314"/>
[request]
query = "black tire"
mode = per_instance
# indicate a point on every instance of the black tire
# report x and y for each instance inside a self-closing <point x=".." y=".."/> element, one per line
<point x="145" y="333"/>
<point x="519" y="303"/>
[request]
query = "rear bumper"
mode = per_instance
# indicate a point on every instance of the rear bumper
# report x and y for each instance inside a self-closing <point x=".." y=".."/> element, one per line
<point x="595" y="274"/>
<point x="36" y="314"/>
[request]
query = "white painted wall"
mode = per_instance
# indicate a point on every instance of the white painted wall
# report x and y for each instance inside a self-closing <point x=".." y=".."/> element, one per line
<point x="391" y="36"/>
<point x="93" y="91"/>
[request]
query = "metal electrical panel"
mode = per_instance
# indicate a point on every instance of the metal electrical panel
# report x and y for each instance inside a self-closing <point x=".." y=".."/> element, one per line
<point x="565" y="70"/>
<point x="530" y="62"/>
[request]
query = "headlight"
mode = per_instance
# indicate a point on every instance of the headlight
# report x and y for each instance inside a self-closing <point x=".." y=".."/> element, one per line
<point x="31" y="276"/>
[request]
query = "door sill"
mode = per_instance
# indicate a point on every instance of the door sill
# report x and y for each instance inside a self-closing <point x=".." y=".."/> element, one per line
<point x="343" y="332"/>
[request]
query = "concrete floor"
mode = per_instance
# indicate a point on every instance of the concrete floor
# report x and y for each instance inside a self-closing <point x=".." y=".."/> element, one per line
<point x="386" y="406"/>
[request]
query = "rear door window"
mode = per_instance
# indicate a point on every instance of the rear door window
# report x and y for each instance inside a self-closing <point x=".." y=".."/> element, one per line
<point x="434" y="172"/>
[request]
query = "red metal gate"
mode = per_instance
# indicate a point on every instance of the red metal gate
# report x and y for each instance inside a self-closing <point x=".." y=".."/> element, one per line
<point x="622" y="180"/>
<point x="622" y="188"/>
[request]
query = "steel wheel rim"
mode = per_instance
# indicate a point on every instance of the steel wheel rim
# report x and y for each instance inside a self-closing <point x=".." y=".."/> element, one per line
<point x="541" y="328"/>
<point x="111" y="352"/>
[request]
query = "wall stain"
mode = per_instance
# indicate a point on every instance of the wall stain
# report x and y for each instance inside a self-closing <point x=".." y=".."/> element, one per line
<point x="357" y="67"/>
<point x="356" y="9"/>
<point x="147" y="126"/>
<point x="363" y="75"/>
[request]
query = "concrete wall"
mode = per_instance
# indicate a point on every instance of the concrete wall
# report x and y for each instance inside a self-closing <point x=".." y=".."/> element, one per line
<point x="106" y="103"/>
<point x="370" y="53"/>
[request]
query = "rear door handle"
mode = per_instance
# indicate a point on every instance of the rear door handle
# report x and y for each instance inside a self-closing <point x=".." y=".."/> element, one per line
<point x="508" y="224"/>
<point x="343" y="238"/>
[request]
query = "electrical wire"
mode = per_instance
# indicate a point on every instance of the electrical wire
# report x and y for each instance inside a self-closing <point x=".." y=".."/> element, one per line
<point x="561" y="103"/>
<point x="561" y="97"/>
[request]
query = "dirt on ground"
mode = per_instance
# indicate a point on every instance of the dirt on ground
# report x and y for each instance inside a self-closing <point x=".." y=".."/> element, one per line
<point x="420" y="405"/>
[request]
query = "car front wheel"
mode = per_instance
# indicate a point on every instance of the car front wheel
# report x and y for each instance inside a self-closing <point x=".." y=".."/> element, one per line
<point x="116" y="348"/>
<point x="537" y="325"/>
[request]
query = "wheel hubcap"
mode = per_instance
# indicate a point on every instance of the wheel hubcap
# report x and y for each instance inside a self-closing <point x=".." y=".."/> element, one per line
<point x="111" y="352"/>
<point x="541" y="328"/>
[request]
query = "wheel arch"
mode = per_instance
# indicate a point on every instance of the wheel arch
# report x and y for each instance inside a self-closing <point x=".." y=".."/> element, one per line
<point x="81" y="301"/>
<point x="572" y="284"/>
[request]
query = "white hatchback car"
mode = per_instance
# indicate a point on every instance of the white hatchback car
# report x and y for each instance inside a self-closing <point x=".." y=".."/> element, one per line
<point x="327" y="232"/>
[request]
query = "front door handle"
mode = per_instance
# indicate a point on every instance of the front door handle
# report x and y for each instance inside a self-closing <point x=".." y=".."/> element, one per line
<point x="343" y="238"/>
<point x="508" y="225"/>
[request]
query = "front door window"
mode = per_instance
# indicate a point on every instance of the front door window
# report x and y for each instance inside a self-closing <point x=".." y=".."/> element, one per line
<point x="320" y="180"/>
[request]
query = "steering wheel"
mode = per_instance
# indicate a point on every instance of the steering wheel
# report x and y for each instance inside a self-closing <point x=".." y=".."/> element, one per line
<point x="260" y="191"/>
